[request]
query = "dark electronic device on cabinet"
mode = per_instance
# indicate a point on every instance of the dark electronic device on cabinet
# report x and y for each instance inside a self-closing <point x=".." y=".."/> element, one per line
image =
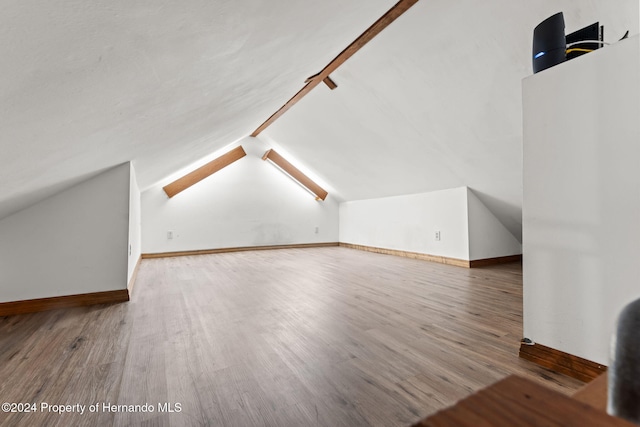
<point x="549" y="43"/>
<point x="551" y="46"/>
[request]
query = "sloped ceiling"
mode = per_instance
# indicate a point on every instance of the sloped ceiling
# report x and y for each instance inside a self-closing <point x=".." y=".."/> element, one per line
<point x="433" y="102"/>
<point x="88" y="85"/>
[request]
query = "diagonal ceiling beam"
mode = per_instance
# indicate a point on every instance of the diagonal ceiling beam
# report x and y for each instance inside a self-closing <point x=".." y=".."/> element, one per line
<point x="296" y="174"/>
<point x="202" y="172"/>
<point x="401" y="7"/>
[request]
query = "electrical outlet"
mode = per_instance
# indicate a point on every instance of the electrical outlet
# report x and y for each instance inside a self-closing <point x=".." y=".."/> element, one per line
<point x="129" y="249"/>
<point x="169" y="235"/>
<point x="437" y="236"/>
<point x="317" y="229"/>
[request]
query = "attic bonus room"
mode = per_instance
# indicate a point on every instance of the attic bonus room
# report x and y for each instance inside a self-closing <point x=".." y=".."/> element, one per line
<point x="347" y="213"/>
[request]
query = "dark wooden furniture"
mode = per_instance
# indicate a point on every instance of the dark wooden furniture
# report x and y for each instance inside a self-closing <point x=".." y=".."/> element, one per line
<point x="518" y="401"/>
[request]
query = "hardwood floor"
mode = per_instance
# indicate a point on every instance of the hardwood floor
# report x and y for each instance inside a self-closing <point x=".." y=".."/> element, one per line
<point x="292" y="337"/>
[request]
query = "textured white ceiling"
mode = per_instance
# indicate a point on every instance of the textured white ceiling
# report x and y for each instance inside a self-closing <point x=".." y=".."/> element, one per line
<point x="88" y="85"/>
<point x="433" y="102"/>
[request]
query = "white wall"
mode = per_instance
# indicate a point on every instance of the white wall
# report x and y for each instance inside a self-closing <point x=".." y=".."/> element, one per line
<point x="409" y="223"/>
<point x="71" y="243"/>
<point x="248" y="203"/>
<point x="488" y="237"/>
<point x="135" y="225"/>
<point x="581" y="207"/>
<point x="468" y="229"/>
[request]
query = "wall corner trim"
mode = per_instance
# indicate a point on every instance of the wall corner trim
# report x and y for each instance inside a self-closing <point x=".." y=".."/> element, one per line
<point x="495" y="261"/>
<point x="66" y="301"/>
<point x="436" y="258"/>
<point x="564" y="363"/>
<point x="237" y="249"/>
<point x="414" y="255"/>
<point x="134" y="276"/>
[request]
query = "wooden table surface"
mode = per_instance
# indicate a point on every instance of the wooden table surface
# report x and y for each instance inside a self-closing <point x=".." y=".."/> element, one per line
<point x="521" y="402"/>
<point x="594" y="393"/>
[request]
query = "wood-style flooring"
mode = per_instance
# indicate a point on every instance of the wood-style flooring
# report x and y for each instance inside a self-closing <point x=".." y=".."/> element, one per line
<point x="292" y="337"/>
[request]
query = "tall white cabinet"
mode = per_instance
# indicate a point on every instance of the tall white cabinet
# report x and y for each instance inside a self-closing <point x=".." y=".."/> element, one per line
<point x="581" y="199"/>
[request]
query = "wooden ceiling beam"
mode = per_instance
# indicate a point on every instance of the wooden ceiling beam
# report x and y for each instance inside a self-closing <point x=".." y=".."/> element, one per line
<point x="376" y="28"/>
<point x="330" y="83"/>
<point x="312" y="77"/>
<point x="202" y="172"/>
<point x="296" y="174"/>
<point x="392" y="14"/>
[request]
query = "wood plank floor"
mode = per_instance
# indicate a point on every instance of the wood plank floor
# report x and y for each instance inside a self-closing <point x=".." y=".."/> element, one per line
<point x="295" y="337"/>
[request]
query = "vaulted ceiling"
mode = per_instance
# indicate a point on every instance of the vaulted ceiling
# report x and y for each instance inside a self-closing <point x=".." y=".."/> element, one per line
<point x="433" y="102"/>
